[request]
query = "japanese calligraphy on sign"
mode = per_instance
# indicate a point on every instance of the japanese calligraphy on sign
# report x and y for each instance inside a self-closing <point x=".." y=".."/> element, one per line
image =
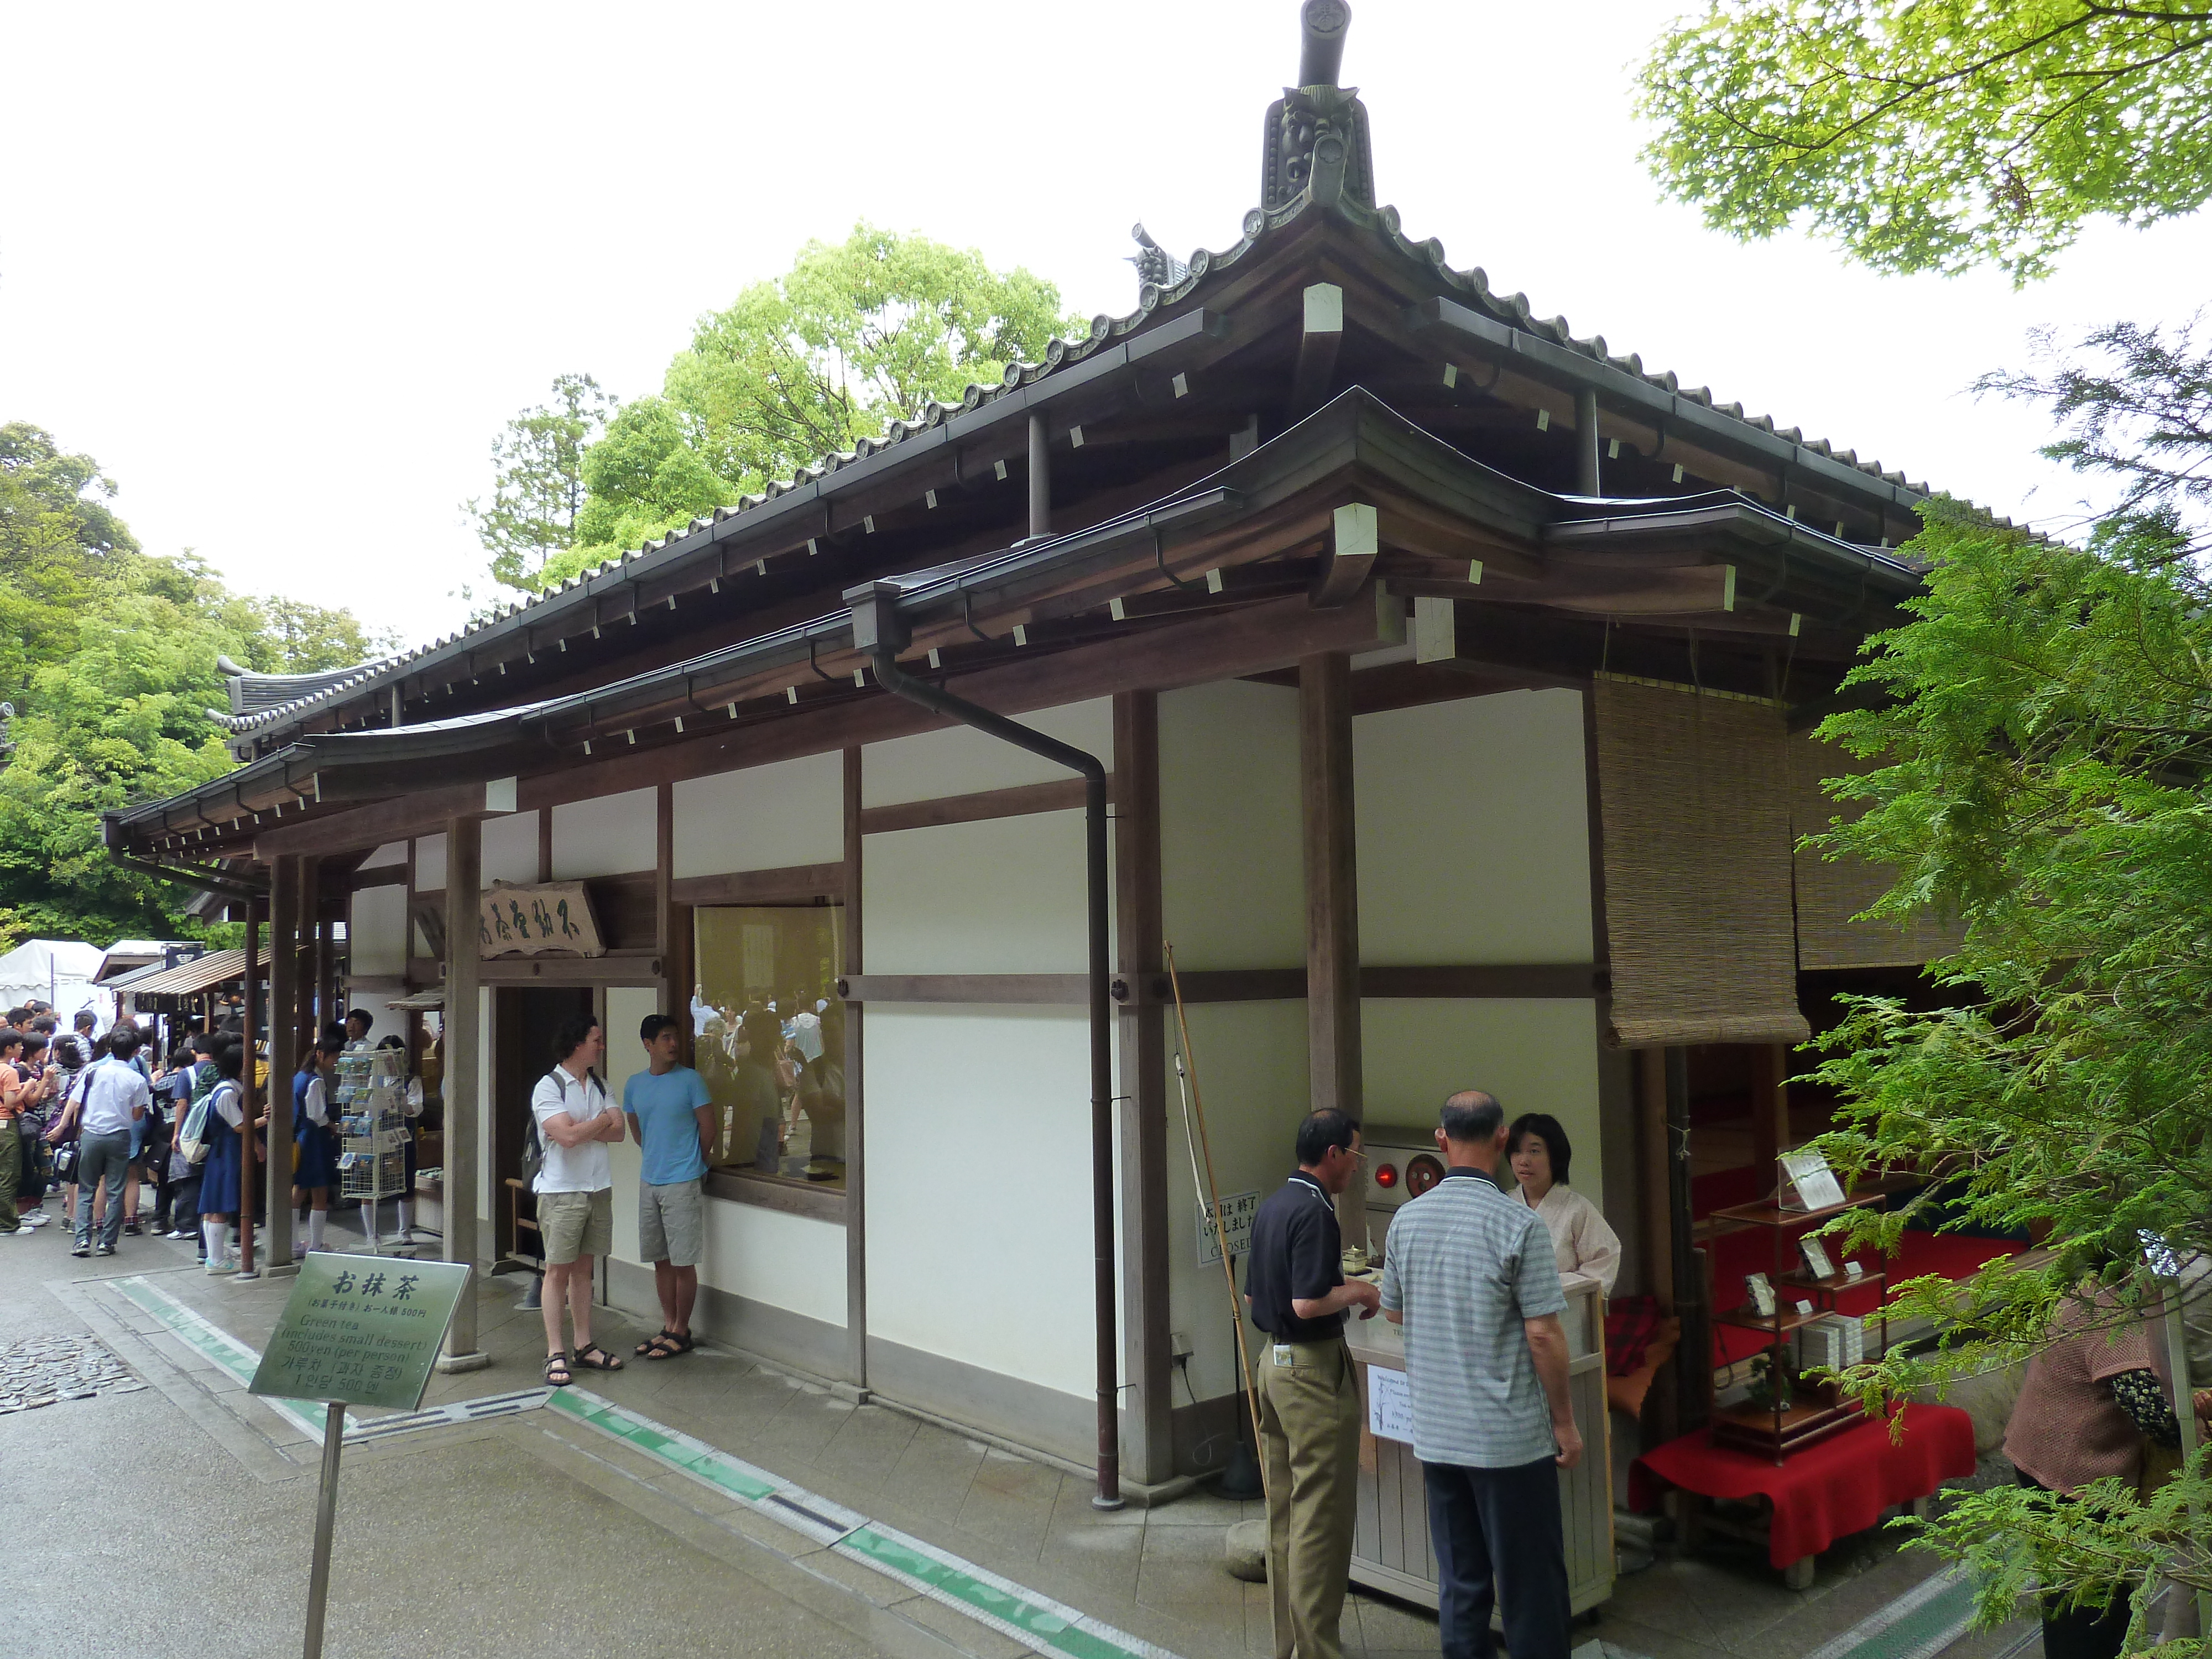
<point x="361" y="1329"/>
<point x="548" y="917"/>
<point x="1237" y="1210"/>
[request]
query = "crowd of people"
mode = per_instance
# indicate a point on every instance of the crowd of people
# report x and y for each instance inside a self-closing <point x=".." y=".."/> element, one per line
<point x="775" y="1067"/>
<point x="100" y="1121"/>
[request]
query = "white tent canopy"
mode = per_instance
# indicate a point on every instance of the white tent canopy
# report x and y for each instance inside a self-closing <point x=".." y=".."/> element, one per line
<point x="60" y="971"/>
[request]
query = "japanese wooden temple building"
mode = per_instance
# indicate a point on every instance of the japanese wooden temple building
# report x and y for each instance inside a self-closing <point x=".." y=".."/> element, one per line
<point x="1447" y="676"/>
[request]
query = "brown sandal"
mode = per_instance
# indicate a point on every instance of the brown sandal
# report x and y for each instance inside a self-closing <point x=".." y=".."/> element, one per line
<point x="593" y="1358"/>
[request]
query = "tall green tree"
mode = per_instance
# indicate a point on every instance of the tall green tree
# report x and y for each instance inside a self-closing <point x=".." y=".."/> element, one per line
<point x="1934" y="135"/>
<point x="855" y="335"/>
<point x="58" y="540"/>
<point x="537" y="480"/>
<point x="2044" y="723"/>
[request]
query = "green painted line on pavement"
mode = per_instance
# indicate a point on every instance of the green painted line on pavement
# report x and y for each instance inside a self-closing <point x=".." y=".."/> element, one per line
<point x="211" y="1342"/>
<point x="1022" y="1614"/>
<point x="1918" y="1625"/>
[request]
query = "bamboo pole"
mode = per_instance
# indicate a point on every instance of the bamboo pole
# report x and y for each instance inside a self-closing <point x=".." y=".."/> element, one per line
<point x="1193" y="1106"/>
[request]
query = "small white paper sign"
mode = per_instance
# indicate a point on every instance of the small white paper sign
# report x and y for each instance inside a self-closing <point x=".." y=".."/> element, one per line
<point x="1853" y="1270"/>
<point x="1805" y="1308"/>
<point x="1389" y="1405"/>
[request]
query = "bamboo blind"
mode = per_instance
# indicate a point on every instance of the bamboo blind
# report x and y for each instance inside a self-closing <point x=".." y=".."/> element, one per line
<point x="1830" y="892"/>
<point x="1693" y="787"/>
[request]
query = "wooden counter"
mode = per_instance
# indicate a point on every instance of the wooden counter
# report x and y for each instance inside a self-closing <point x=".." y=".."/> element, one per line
<point x="1390" y="1549"/>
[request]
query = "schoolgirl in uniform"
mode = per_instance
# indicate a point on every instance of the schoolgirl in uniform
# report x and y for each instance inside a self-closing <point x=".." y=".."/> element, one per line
<point x="315" y="1153"/>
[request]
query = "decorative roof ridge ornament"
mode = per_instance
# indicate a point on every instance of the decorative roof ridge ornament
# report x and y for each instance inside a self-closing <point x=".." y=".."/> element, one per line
<point x="1154" y="263"/>
<point x="1315" y="138"/>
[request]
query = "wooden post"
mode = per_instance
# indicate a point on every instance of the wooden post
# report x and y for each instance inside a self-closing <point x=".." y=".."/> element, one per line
<point x="307" y="964"/>
<point x="248" y="1021"/>
<point x="1770" y="1109"/>
<point x="463" y="1038"/>
<point x="1147" y="1420"/>
<point x="856" y="1159"/>
<point x="1331" y="882"/>
<point x="1656" y="1201"/>
<point x="284" y="917"/>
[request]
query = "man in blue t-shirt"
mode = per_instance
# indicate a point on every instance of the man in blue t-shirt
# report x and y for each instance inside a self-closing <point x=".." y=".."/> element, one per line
<point x="672" y="1117"/>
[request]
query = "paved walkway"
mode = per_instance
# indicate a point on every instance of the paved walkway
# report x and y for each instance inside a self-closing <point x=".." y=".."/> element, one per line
<point x="668" y="1543"/>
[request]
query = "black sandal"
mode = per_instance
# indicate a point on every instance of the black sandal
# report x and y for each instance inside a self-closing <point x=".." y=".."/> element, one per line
<point x="645" y="1348"/>
<point x="593" y="1358"/>
<point x="558" y="1362"/>
<point x="668" y="1345"/>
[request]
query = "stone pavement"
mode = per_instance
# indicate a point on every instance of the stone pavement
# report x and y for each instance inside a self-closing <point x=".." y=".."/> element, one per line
<point x="432" y="1522"/>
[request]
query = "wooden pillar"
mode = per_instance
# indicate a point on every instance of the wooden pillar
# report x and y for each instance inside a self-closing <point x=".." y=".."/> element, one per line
<point x="1332" y="881"/>
<point x="463" y="1041"/>
<point x="1147" y="1421"/>
<point x="1654" y="1202"/>
<point x="856" y="1135"/>
<point x="248" y="1022"/>
<point x="307" y="964"/>
<point x="283" y="920"/>
<point x="1770" y="1109"/>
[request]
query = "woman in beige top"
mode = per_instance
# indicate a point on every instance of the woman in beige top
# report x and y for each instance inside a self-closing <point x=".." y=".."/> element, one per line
<point x="1580" y="1237"/>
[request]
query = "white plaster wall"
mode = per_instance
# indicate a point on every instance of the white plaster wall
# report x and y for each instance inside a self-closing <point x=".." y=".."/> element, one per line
<point x="392" y="852"/>
<point x="626" y="1006"/>
<point x="1232" y="882"/>
<point x="978" y="1189"/>
<point x="429" y="864"/>
<point x="793" y="1261"/>
<point x="1474" y="831"/>
<point x="376" y="932"/>
<point x="962" y="761"/>
<point x="765" y="817"/>
<point x="1536" y="1054"/>
<point x="608" y="835"/>
<point x="510" y="849"/>
<point x="1250" y="1059"/>
<point x="999" y="896"/>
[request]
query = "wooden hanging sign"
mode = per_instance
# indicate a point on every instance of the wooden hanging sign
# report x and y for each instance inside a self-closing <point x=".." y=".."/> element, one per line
<point x="540" y="919"/>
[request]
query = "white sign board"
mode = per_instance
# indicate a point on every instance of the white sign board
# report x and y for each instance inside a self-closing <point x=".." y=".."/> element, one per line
<point x="1237" y="1210"/>
<point x="1389" y="1405"/>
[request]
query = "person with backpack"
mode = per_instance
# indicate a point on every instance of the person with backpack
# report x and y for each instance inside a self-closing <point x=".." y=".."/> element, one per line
<point x="14" y="1096"/>
<point x="572" y="1121"/>
<point x="315" y="1151"/>
<point x="217" y="1123"/>
<point x="113" y="1099"/>
<point x="193" y="1085"/>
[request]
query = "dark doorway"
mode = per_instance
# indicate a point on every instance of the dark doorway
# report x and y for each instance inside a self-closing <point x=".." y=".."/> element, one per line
<point x="524" y="1020"/>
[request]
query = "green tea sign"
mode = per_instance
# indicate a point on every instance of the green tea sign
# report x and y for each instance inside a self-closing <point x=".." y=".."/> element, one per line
<point x="361" y="1329"/>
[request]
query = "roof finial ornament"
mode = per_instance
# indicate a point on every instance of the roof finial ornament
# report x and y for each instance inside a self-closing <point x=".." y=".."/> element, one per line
<point x="1154" y="263"/>
<point x="1317" y="132"/>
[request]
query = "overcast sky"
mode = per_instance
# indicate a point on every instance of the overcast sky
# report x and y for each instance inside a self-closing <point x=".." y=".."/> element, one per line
<point x="285" y="270"/>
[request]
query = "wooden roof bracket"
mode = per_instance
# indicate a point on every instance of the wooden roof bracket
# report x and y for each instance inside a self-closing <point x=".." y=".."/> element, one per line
<point x="1348" y="559"/>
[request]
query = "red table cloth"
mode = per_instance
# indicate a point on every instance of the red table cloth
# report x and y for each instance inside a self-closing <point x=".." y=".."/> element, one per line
<point x="1827" y="1492"/>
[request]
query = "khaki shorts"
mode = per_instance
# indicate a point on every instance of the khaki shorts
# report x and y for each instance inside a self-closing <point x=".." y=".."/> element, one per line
<point x="576" y="1224"/>
<point x="671" y="1223"/>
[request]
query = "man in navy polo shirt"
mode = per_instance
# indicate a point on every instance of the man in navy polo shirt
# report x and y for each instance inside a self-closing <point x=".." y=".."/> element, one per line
<point x="672" y="1114"/>
<point x="1295" y="1286"/>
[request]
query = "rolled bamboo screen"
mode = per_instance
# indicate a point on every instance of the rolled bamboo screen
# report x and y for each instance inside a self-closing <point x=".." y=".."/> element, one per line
<point x="1829" y="892"/>
<point x="1693" y="789"/>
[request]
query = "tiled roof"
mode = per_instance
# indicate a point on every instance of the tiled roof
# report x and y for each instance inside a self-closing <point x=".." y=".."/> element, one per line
<point x="1472" y="284"/>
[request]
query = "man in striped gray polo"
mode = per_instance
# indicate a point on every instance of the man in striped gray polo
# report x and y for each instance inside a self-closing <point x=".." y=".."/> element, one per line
<point x="1471" y="1274"/>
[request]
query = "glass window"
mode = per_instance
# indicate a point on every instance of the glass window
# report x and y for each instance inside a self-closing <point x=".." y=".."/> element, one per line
<point x="768" y="1035"/>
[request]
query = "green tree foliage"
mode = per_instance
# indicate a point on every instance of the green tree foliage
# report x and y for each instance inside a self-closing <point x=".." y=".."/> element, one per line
<point x="855" y="335"/>
<point x="1934" y="135"/>
<point x="2046" y="719"/>
<point x="58" y="538"/>
<point x="538" y="480"/>
<point x="113" y="669"/>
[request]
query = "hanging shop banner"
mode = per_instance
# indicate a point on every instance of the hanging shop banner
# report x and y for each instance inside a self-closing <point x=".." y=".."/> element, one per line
<point x="362" y="1330"/>
<point x="540" y="920"/>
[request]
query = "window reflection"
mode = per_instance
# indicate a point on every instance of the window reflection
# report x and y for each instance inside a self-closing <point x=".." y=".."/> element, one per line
<point x="768" y="1036"/>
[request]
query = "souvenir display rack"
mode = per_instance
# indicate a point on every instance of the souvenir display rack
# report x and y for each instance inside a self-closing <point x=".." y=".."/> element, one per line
<point x="1777" y="1430"/>
<point x="372" y="1089"/>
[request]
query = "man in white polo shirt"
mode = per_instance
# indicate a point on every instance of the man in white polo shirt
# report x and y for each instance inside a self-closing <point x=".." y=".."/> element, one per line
<point x="115" y="1094"/>
<point x="1471" y="1274"/>
<point x="575" y="1187"/>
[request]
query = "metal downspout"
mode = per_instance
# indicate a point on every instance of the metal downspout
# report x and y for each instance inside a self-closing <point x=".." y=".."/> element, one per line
<point x="1587" y="480"/>
<point x="879" y="632"/>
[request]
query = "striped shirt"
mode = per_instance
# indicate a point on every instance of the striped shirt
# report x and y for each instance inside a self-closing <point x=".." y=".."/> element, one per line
<point x="1465" y="1265"/>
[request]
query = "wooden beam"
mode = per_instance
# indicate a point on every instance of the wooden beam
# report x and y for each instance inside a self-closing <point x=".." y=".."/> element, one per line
<point x="1148" y="1437"/>
<point x="856" y="1126"/>
<point x="1060" y="796"/>
<point x="1349" y="558"/>
<point x="1331" y="879"/>
<point x="796" y="884"/>
<point x="1528" y="979"/>
<point x="1068" y="989"/>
